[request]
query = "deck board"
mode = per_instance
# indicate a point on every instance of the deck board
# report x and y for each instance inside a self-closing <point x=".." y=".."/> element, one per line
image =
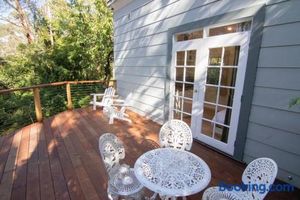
<point x="33" y="186"/>
<point x="59" y="158"/>
<point x="19" y="185"/>
<point x="9" y="174"/>
<point x="73" y="185"/>
<point x="87" y="187"/>
<point x="59" y="182"/>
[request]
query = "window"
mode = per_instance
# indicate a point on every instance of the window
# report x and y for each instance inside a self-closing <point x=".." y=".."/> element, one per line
<point x="219" y="91"/>
<point x="189" y="36"/>
<point x="232" y="28"/>
<point x="184" y="85"/>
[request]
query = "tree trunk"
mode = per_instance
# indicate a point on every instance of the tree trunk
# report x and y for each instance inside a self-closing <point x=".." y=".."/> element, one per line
<point x="24" y="22"/>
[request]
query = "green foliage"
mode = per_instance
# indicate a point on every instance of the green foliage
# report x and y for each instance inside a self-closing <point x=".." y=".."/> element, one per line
<point x="82" y="34"/>
<point x="73" y="43"/>
<point x="16" y="110"/>
<point x="294" y="102"/>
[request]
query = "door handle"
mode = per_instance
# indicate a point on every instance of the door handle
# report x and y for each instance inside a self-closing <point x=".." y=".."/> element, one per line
<point x="195" y="90"/>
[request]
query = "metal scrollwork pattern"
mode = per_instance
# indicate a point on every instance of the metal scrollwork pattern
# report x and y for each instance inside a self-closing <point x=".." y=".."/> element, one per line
<point x="176" y="134"/>
<point x="122" y="180"/>
<point x="172" y="172"/>
<point x="111" y="150"/>
<point x="259" y="171"/>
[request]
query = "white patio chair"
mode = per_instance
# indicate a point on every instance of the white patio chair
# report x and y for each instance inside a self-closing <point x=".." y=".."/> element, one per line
<point x="107" y="98"/>
<point x="176" y="134"/>
<point x="113" y="112"/>
<point x="261" y="171"/>
<point x="122" y="181"/>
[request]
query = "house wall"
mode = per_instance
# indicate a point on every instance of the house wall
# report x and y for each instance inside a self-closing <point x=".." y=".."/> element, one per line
<point x="141" y="65"/>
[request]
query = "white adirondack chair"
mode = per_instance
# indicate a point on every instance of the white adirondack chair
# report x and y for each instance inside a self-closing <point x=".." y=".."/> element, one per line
<point x="261" y="171"/>
<point x="113" y="112"/>
<point x="107" y="98"/>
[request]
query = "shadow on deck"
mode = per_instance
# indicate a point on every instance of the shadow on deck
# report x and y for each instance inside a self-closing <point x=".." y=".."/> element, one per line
<point x="59" y="158"/>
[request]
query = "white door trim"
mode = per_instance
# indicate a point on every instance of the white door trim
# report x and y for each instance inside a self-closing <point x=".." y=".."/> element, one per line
<point x="202" y="46"/>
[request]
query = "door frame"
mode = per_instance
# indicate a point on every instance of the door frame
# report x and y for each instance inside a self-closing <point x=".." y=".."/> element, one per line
<point x="202" y="47"/>
<point x="257" y="14"/>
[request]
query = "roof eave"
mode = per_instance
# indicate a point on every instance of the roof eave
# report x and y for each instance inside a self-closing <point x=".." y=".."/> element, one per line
<point x="117" y="4"/>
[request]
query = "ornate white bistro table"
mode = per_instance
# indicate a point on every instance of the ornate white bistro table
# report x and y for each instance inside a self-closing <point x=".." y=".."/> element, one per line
<point x="171" y="172"/>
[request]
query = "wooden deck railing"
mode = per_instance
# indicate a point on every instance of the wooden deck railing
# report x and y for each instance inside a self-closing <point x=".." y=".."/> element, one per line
<point x="66" y="92"/>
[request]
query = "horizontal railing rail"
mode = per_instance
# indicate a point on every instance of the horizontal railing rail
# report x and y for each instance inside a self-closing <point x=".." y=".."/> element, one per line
<point x="25" y="105"/>
<point x="49" y="85"/>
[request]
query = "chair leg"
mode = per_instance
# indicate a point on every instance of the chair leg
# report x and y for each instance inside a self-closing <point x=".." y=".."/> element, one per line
<point x="111" y="195"/>
<point x="128" y="120"/>
<point x="94" y="102"/>
<point x="111" y="120"/>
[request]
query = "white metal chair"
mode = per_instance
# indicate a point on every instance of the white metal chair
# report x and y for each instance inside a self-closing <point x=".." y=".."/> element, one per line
<point x="176" y="134"/>
<point x="107" y="98"/>
<point x="112" y="111"/>
<point x="122" y="181"/>
<point x="261" y="171"/>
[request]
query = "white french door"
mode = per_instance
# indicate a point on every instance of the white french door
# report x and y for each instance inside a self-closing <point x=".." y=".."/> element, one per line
<point x="207" y="78"/>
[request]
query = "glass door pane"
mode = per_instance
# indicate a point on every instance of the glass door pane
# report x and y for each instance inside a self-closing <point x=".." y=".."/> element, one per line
<point x="219" y="92"/>
<point x="184" y="85"/>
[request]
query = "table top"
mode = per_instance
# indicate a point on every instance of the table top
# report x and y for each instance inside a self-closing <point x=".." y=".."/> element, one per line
<point x="172" y="172"/>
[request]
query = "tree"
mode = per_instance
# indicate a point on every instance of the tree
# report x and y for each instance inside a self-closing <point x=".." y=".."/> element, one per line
<point x="75" y="42"/>
<point x="20" y="18"/>
<point x="66" y="40"/>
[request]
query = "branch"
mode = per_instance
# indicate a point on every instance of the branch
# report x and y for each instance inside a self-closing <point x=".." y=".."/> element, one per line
<point x="9" y="21"/>
<point x="10" y="4"/>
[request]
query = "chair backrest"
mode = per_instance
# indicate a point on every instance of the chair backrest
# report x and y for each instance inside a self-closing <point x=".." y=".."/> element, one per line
<point x="176" y="134"/>
<point x="112" y="150"/>
<point x="107" y="99"/>
<point x="110" y="91"/>
<point x="259" y="173"/>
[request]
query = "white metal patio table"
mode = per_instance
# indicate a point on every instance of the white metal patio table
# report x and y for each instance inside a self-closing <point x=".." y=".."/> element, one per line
<point x="171" y="172"/>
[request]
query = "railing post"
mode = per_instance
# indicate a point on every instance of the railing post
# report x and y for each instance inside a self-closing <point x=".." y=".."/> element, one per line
<point x="112" y="83"/>
<point x="37" y="104"/>
<point x="69" y="96"/>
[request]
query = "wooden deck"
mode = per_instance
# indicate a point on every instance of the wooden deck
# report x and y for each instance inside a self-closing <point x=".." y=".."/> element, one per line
<point x="59" y="159"/>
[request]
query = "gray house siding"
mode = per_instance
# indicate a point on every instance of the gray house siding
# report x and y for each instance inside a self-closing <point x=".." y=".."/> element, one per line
<point x="141" y="37"/>
<point x="274" y="128"/>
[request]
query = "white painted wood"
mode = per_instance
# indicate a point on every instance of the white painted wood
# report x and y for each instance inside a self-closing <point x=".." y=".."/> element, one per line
<point x="149" y="7"/>
<point x="286" y="56"/>
<point x="278" y="119"/>
<point x="173" y="9"/>
<point x="275" y="138"/>
<point x="275" y="98"/>
<point x="272" y="2"/>
<point x="284" y="12"/>
<point x="134" y="87"/>
<point x="152" y="40"/>
<point x="142" y="61"/>
<point x="157" y="50"/>
<point x="284" y="78"/>
<point x="142" y="71"/>
<point x="287" y="34"/>
<point x="147" y="81"/>
<point x="124" y="9"/>
<point x="202" y="12"/>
